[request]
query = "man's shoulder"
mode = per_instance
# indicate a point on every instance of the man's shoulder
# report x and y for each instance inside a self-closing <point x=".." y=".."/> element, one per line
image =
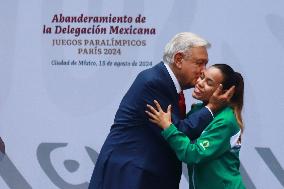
<point x="152" y="75"/>
<point x="160" y="67"/>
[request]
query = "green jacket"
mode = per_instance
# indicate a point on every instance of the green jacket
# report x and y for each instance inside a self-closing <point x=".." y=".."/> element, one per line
<point x="213" y="159"/>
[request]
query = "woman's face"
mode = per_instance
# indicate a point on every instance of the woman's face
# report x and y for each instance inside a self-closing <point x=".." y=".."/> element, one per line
<point x="207" y="83"/>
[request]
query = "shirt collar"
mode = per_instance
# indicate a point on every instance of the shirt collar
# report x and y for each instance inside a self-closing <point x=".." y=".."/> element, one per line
<point x="174" y="79"/>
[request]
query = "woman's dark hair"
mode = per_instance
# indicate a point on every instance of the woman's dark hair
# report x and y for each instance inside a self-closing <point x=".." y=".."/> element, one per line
<point x="230" y="78"/>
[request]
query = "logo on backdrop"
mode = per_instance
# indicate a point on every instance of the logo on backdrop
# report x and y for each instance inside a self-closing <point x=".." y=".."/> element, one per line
<point x="14" y="179"/>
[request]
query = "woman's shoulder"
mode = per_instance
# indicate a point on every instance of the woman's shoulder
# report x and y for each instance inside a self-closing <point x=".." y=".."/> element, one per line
<point x="226" y="116"/>
<point x="226" y="113"/>
<point x="195" y="107"/>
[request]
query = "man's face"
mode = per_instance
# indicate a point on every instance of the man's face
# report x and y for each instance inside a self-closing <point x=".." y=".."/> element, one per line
<point x="192" y="64"/>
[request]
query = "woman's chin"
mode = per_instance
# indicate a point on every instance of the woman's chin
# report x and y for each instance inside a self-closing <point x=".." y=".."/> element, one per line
<point x="196" y="96"/>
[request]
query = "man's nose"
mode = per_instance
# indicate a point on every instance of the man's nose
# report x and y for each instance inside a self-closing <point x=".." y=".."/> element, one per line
<point x="203" y="67"/>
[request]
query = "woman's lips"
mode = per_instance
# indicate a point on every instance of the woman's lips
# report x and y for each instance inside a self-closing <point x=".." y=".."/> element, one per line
<point x="197" y="90"/>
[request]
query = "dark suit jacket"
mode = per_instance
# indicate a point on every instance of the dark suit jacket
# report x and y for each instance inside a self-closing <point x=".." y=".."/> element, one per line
<point x="134" y="155"/>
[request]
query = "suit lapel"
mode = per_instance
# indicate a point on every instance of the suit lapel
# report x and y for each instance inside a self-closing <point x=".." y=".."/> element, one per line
<point x="164" y="74"/>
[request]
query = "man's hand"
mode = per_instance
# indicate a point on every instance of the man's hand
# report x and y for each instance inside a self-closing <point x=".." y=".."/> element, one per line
<point x="219" y="99"/>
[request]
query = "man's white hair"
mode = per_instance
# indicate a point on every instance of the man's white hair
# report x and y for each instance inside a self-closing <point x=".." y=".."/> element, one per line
<point x="182" y="42"/>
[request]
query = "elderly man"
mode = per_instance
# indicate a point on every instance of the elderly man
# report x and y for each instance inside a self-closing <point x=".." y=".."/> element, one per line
<point x="134" y="155"/>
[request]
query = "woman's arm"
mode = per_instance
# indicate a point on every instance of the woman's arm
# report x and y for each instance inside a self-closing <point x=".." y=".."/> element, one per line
<point x="211" y="144"/>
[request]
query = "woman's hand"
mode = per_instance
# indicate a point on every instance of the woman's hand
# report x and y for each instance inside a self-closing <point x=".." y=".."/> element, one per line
<point x="161" y="118"/>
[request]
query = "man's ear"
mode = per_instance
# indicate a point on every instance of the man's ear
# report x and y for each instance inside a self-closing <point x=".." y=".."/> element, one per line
<point x="178" y="60"/>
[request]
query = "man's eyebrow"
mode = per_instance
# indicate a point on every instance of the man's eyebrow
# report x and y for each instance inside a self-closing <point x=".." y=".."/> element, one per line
<point x="201" y="60"/>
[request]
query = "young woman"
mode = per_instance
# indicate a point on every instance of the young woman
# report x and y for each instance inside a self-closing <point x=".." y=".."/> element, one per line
<point x="213" y="159"/>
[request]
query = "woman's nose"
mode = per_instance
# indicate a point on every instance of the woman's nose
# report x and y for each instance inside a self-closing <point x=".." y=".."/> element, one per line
<point x="201" y="83"/>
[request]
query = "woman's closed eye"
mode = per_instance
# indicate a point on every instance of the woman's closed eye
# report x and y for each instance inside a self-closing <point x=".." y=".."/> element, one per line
<point x="210" y="82"/>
